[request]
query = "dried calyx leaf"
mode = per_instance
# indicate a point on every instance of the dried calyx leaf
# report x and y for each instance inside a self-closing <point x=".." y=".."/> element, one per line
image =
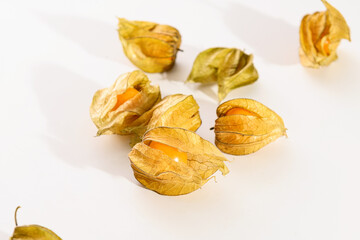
<point x="229" y="67"/>
<point x="320" y="35"/>
<point x="245" y="125"/>
<point x="175" y="161"/>
<point x="114" y="109"/>
<point x="32" y="232"/>
<point x="176" y="110"/>
<point x="150" y="46"/>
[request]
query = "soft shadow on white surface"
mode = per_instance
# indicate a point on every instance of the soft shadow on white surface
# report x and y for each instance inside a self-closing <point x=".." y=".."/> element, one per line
<point x="97" y="38"/>
<point x="183" y="63"/>
<point x="208" y="117"/>
<point x="247" y="91"/>
<point x="339" y="74"/>
<point x="206" y="88"/>
<point x="270" y="164"/>
<point x="64" y="98"/>
<point x="273" y="39"/>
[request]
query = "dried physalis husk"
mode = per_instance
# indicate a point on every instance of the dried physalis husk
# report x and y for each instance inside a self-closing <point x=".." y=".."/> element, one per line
<point x="175" y="161"/>
<point x="229" y="67"/>
<point x="320" y="35"/>
<point x="176" y="110"/>
<point x="150" y="46"/>
<point x="245" y="125"/>
<point x="32" y="232"/>
<point x="114" y="109"/>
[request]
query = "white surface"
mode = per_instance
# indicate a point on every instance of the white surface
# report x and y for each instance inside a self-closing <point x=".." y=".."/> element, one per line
<point x="55" y="55"/>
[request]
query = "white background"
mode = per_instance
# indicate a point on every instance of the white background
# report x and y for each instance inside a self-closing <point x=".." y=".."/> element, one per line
<point x="55" y="54"/>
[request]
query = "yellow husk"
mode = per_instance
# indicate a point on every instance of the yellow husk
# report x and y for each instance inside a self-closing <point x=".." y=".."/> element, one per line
<point x="33" y="232"/>
<point x="176" y="110"/>
<point x="158" y="172"/>
<point x="121" y="120"/>
<point x="150" y="46"/>
<point x="244" y="134"/>
<point x="229" y="67"/>
<point x="320" y="35"/>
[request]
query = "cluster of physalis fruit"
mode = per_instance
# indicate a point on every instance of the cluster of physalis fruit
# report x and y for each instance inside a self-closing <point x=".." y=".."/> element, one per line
<point x="167" y="155"/>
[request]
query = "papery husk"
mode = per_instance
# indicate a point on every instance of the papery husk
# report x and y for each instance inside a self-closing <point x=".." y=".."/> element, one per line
<point x="320" y="35"/>
<point x="244" y="134"/>
<point x="150" y="46"/>
<point x="229" y="67"/>
<point x="33" y="232"/>
<point x="121" y="120"/>
<point x="158" y="172"/>
<point x="175" y="110"/>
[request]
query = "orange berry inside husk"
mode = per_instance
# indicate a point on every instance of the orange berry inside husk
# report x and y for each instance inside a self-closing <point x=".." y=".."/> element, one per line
<point x="172" y="152"/>
<point x="127" y="95"/>
<point x="239" y="111"/>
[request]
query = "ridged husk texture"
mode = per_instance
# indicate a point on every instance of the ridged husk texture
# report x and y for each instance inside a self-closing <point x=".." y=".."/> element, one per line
<point x="243" y="134"/>
<point x="150" y="46"/>
<point x="121" y="120"/>
<point x="176" y="110"/>
<point x="229" y="67"/>
<point x="33" y="232"/>
<point x="320" y="35"/>
<point x="158" y="172"/>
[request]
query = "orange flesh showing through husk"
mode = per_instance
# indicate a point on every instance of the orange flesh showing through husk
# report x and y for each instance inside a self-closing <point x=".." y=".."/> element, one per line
<point x="239" y="111"/>
<point x="122" y="98"/>
<point x="174" y="153"/>
<point x="326" y="47"/>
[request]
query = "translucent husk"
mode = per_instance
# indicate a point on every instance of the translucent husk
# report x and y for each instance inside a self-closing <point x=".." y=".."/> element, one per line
<point x="229" y="67"/>
<point x="121" y="120"/>
<point x="32" y="232"/>
<point x="320" y="35"/>
<point x="158" y="172"/>
<point x="150" y="46"/>
<point x="244" y="134"/>
<point x="176" y="110"/>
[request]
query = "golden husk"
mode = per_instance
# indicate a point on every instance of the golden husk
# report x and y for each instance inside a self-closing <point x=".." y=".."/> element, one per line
<point x="33" y="232"/>
<point x="158" y="172"/>
<point x="320" y="35"/>
<point x="176" y="110"/>
<point x="150" y="46"/>
<point x="229" y="67"/>
<point x="244" y="134"/>
<point x="121" y="120"/>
